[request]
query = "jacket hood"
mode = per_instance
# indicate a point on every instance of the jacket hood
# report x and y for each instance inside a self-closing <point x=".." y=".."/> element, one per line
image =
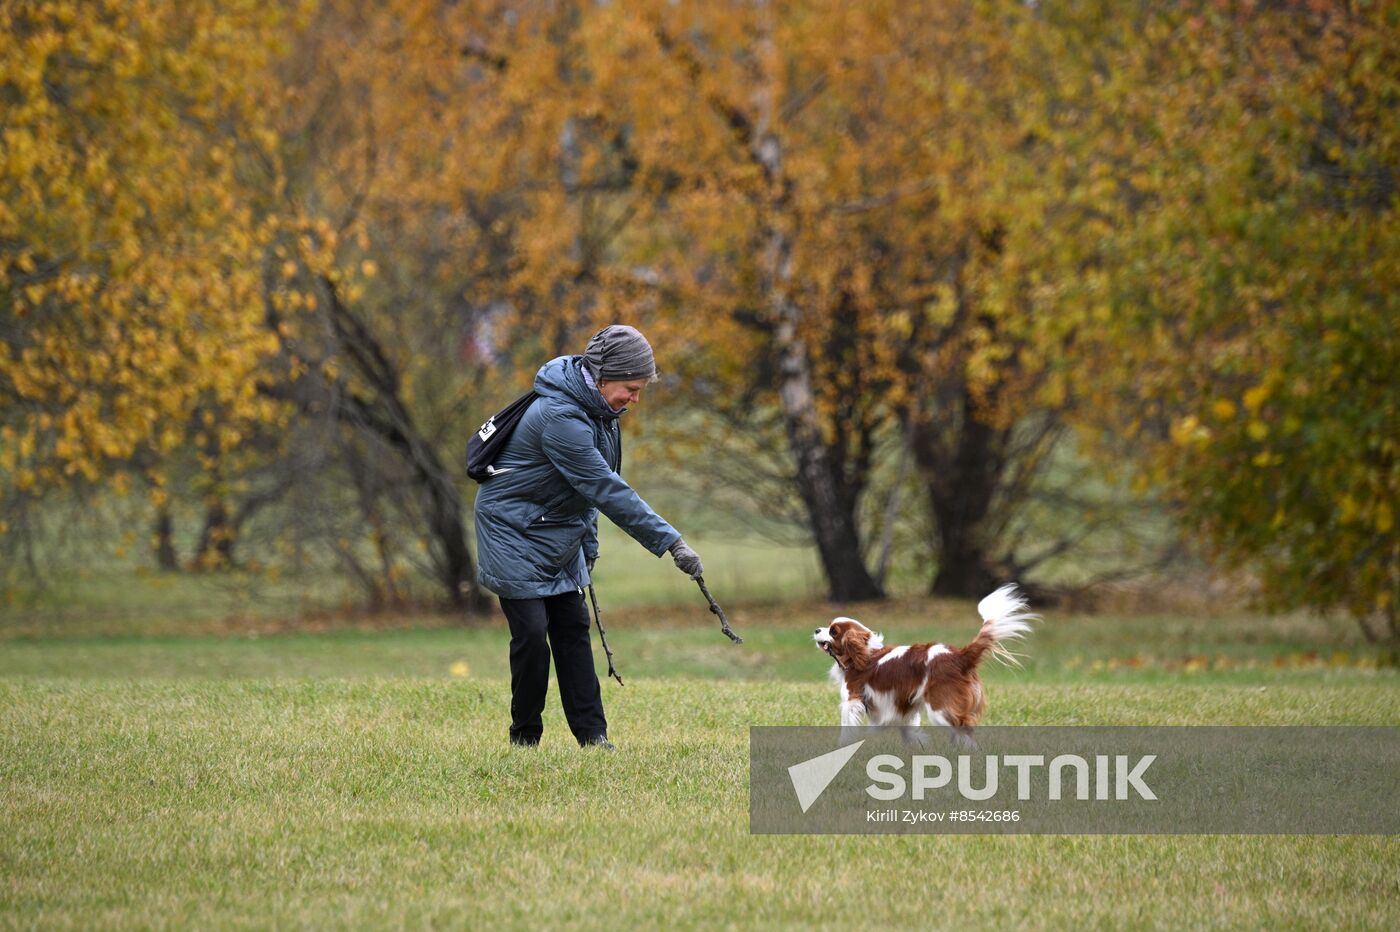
<point x="563" y="378"/>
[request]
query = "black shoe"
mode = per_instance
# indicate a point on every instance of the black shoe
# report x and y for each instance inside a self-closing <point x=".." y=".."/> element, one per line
<point x="599" y="741"/>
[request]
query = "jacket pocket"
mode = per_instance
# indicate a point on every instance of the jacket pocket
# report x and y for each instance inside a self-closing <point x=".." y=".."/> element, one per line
<point x="554" y="538"/>
<point x="551" y="513"/>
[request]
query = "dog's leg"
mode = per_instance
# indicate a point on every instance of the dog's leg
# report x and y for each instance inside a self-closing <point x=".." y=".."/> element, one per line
<point x="959" y="736"/>
<point x="913" y="734"/>
<point x="962" y="738"/>
<point x="961" y="732"/>
<point x="853" y="713"/>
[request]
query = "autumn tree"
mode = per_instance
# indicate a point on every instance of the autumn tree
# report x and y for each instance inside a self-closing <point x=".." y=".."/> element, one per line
<point x="185" y="261"/>
<point x="766" y="199"/>
<point x="129" y="282"/>
<point x="441" y="226"/>
<point x="1235" y="186"/>
<point x="830" y="214"/>
<point x="384" y="148"/>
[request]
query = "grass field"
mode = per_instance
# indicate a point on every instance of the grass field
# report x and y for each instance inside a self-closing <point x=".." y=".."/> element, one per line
<point x="105" y="595"/>
<point x="360" y="778"/>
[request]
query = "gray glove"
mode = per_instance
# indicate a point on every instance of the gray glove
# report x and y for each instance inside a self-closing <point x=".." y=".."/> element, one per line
<point x="686" y="559"/>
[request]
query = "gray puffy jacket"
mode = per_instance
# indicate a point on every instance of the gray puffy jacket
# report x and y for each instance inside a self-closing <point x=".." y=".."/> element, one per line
<point x="537" y="518"/>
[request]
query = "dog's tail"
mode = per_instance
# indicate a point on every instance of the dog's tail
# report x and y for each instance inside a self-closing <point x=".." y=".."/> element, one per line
<point x="1004" y="618"/>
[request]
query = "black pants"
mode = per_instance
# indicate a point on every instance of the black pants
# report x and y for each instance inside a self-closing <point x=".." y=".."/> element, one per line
<point x="560" y="623"/>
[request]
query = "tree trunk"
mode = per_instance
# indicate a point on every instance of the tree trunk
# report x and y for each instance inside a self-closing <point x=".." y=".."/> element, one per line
<point x="164" y="541"/>
<point x="438" y="498"/>
<point x="215" y="549"/>
<point x="829" y="502"/>
<point x="834" y="527"/>
<point x="829" y="499"/>
<point x="829" y="496"/>
<point x="961" y="461"/>
<point x="382" y="413"/>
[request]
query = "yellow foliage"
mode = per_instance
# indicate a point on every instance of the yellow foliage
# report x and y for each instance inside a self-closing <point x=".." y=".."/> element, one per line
<point x="128" y="218"/>
<point x="1188" y="430"/>
<point x="1255" y="397"/>
<point x="1246" y="205"/>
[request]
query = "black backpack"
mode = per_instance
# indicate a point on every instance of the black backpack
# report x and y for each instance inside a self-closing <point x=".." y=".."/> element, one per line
<point x="490" y="438"/>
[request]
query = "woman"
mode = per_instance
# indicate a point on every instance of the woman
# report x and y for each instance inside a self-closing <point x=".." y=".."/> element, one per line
<point x="537" y="525"/>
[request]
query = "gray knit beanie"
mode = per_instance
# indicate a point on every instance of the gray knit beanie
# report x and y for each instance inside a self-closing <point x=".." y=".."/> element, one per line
<point x="620" y="353"/>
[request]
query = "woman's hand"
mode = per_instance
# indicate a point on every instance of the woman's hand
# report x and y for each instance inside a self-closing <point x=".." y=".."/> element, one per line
<point x="686" y="559"/>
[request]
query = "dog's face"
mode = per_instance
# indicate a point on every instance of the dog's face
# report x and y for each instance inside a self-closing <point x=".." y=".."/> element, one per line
<point x="846" y="640"/>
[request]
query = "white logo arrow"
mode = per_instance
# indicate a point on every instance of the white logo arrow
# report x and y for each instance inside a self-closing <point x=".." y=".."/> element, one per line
<point x="811" y="777"/>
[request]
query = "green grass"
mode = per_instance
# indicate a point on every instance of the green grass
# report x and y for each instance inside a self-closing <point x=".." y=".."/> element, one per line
<point x="683" y="639"/>
<point x="120" y="597"/>
<point x="360" y="778"/>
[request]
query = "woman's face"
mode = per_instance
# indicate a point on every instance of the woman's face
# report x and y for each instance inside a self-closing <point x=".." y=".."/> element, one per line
<point x="619" y="395"/>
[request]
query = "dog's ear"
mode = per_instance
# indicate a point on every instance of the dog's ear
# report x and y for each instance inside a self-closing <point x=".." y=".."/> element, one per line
<point x="850" y="643"/>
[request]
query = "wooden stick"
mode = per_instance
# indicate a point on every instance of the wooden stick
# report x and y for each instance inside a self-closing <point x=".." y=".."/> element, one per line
<point x="714" y="607"/>
<point x="603" y="636"/>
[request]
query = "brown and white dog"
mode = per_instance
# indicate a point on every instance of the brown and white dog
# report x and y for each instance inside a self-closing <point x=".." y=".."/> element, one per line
<point x="899" y="685"/>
